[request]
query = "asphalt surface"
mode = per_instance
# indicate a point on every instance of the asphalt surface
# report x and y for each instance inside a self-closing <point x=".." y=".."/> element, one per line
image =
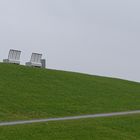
<point x="69" y="118"/>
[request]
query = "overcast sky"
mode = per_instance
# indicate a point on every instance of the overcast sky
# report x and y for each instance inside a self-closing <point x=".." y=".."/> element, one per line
<point x="99" y="37"/>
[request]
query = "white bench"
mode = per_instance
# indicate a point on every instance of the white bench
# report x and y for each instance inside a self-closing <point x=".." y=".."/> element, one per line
<point x="35" y="60"/>
<point x="13" y="57"/>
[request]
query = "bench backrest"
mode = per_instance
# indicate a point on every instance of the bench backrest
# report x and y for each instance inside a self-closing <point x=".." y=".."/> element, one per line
<point x="14" y="55"/>
<point x="36" y="58"/>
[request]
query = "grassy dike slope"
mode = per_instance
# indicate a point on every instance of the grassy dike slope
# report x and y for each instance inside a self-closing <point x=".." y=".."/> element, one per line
<point x="27" y="93"/>
<point x="116" y="128"/>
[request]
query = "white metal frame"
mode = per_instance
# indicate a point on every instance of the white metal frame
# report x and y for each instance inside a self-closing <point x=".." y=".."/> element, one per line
<point x="35" y="60"/>
<point x="13" y="57"/>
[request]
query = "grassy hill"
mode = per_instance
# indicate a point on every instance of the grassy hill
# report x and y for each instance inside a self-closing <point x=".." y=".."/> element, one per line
<point x="116" y="128"/>
<point x="27" y="93"/>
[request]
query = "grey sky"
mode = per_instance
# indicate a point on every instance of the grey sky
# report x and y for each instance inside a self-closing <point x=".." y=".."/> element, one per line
<point x="99" y="37"/>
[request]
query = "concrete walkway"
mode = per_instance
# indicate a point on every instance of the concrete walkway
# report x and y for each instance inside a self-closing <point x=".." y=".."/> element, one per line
<point x="70" y="118"/>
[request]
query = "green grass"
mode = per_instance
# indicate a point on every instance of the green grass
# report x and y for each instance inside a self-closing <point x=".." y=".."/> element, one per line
<point x="27" y="93"/>
<point x="116" y="128"/>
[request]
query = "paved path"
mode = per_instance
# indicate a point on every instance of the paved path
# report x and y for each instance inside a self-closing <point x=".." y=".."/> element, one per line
<point x="70" y="118"/>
